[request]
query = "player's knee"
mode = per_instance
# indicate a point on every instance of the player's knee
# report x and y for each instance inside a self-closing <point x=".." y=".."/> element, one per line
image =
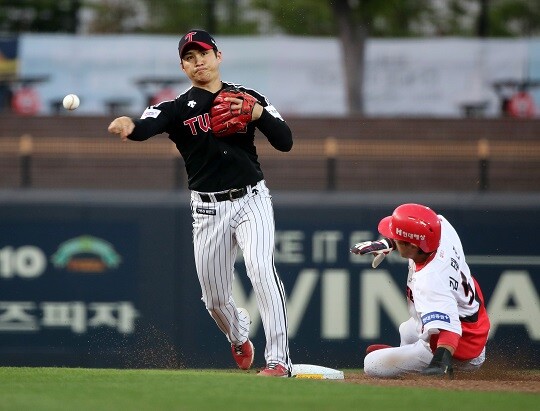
<point x="215" y="311"/>
<point x="382" y="364"/>
<point x="407" y="332"/>
<point x="373" y="366"/>
<point x="402" y="328"/>
<point x="215" y="302"/>
<point x="214" y="308"/>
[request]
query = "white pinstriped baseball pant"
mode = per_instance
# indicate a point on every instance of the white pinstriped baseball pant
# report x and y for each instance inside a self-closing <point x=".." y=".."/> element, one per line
<point x="218" y="229"/>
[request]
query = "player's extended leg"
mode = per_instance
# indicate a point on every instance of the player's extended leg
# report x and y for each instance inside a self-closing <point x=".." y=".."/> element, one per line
<point x="397" y="361"/>
<point x="255" y="234"/>
<point x="407" y="333"/>
<point x="215" y="253"/>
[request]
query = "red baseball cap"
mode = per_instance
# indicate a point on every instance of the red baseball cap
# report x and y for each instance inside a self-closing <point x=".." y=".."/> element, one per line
<point x="200" y="37"/>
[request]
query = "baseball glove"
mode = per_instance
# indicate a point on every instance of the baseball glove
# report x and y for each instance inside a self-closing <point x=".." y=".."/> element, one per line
<point x="223" y="120"/>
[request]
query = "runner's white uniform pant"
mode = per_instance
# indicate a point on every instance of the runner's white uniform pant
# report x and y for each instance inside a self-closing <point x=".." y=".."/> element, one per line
<point x="218" y="229"/>
<point x="413" y="355"/>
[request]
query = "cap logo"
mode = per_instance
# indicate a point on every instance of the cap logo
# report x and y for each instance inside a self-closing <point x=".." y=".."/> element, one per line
<point x="189" y="37"/>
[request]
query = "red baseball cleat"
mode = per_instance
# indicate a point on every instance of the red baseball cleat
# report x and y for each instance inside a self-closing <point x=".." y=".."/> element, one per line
<point x="243" y="354"/>
<point x="375" y="347"/>
<point x="274" y="370"/>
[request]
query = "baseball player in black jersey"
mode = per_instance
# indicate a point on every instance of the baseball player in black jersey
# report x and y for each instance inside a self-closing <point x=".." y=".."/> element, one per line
<point x="230" y="203"/>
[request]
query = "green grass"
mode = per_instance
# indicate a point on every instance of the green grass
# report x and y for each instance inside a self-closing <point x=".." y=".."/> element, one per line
<point x="58" y="389"/>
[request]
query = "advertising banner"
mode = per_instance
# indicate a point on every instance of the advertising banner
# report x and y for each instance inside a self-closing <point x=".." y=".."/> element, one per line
<point x="113" y="284"/>
<point x="338" y="304"/>
<point x="75" y="288"/>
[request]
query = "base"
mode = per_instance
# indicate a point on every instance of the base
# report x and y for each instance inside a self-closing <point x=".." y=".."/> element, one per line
<point x="316" y="372"/>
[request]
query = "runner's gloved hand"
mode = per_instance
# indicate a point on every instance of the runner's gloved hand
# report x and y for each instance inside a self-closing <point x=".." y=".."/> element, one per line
<point x="378" y="248"/>
<point x="441" y="364"/>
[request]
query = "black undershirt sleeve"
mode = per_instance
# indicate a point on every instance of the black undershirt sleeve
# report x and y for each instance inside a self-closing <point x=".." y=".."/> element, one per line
<point x="276" y="131"/>
<point x="144" y="129"/>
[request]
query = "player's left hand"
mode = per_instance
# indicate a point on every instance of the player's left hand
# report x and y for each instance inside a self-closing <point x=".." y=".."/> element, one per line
<point x="232" y="110"/>
<point x="378" y="248"/>
<point x="441" y="364"/>
<point x="237" y="105"/>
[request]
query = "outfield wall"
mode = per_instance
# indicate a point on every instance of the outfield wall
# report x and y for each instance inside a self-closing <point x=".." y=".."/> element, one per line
<point x="107" y="279"/>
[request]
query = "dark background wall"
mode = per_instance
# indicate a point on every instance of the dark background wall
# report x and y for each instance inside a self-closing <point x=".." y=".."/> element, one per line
<point x="70" y="125"/>
<point x="342" y="154"/>
<point x="99" y="278"/>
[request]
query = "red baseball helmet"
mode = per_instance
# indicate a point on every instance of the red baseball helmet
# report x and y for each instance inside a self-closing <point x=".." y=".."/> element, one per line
<point x="414" y="223"/>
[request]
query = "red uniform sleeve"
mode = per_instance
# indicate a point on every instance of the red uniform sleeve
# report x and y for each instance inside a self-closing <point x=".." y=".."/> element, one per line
<point x="448" y="338"/>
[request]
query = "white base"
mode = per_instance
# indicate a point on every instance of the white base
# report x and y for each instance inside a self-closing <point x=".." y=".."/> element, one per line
<point x="317" y="372"/>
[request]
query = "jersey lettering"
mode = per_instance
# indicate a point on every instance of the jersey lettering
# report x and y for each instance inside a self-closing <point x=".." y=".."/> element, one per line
<point x="467" y="288"/>
<point x="410" y="295"/>
<point x="202" y="120"/>
<point x="454" y="284"/>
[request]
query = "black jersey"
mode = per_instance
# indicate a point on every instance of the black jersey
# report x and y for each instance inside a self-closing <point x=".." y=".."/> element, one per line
<point x="213" y="163"/>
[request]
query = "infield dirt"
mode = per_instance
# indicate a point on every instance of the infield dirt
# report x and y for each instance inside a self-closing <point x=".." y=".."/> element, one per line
<point x="487" y="379"/>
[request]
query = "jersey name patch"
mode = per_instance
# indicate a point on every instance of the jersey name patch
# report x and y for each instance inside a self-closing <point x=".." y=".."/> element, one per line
<point x="435" y="316"/>
<point x="272" y="110"/>
<point x="207" y="211"/>
<point x="151" y="112"/>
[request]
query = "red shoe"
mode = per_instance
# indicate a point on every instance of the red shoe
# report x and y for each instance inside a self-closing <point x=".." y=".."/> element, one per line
<point x="375" y="347"/>
<point x="243" y="354"/>
<point x="274" y="370"/>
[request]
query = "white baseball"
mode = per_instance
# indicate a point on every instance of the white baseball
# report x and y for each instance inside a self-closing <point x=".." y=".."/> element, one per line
<point x="71" y="102"/>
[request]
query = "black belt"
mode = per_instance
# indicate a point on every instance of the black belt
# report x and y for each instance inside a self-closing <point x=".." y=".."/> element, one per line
<point x="230" y="195"/>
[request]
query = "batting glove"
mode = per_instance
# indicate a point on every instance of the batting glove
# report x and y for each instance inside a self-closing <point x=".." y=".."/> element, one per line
<point x="441" y="364"/>
<point x="378" y="248"/>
